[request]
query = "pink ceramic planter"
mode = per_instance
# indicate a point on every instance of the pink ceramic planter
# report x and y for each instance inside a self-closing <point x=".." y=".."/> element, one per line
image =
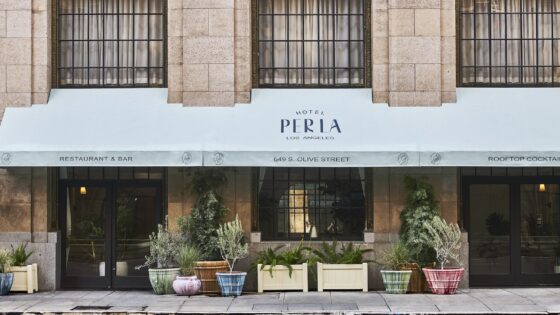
<point x="186" y="285"/>
<point x="443" y="281"/>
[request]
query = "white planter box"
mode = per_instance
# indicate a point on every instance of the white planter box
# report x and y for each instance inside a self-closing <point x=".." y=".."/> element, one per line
<point x="281" y="280"/>
<point x="25" y="278"/>
<point x="342" y="277"/>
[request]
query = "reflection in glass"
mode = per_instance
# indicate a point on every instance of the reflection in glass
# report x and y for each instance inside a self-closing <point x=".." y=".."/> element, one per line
<point x="313" y="203"/>
<point x="540" y="229"/>
<point x="136" y="209"/>
<point x="490" y="229"/>
<point x="85" y="243"/>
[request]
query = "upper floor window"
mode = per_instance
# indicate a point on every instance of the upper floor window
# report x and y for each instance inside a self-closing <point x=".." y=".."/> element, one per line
<point x="510" y="42"/>
<point x="116" y="43"/>
<point x="312" y="43"/>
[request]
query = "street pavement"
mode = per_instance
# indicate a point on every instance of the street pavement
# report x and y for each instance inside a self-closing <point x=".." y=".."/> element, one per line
<point x="472" y="301"/>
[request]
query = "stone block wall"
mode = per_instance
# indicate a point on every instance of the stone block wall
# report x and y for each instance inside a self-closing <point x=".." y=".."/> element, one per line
<point x="24" y="217"/>
<point x="209" y="52"/>
<point x="413" y="52"/>
<point x="25" y="63"/>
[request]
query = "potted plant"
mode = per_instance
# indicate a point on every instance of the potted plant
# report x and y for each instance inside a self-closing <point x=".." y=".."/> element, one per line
<point x="282" y="271"/>
<point x="420" y="207"/>
<point x="394" y="278"/>
<point x="25" y="276"/>
<point x="187" y="283"/>
<point x="6" y="277"/>
<point x="232" y="246"/>
<point x="445" y="239"/>
<point x="163" y="254"/>
<point x="200" y="228"/>
<point x="340" y="269"/>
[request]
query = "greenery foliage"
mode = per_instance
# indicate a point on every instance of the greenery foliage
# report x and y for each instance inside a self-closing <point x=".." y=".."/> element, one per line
<point x="334" y="254"/>
<point x="163" y="249"/>
<point x="200" y="228"/>
<point x="396" y="256"/>
<point x="5" y="260"/>
<point x="421" y="207"/>
<point x="231" y="242"/>
<point x="186" y="258"/>
<point x="444" y="238"/>
<point x="20" y="255"/>
<point x="273" y="257"/>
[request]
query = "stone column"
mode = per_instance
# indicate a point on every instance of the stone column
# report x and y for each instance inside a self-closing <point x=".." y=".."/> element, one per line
<point x="413" y="52"/>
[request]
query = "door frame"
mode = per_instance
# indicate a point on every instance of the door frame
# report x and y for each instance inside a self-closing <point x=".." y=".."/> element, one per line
<point x="515" y="278"/>
<point x="110" y="281"/>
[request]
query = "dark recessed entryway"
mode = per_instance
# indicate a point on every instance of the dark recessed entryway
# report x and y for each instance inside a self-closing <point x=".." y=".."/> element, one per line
<point x="105" y="226"/>
<point x="514" y="230"/>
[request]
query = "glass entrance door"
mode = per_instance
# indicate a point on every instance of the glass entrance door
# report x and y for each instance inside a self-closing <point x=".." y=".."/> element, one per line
<point x="105" y="227"/>
<point x="514" y="230"/>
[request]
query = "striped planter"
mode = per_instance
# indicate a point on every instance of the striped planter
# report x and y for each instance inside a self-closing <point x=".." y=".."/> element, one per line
<point x="396" y="282"/>
<point x="444" y="281"/>
<point x="231" y="284"/>
<point x="162" y="279"/>
<point x="6" y="281"/>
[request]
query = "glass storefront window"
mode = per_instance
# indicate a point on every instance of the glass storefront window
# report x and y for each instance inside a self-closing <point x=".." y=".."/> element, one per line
<point x="311" y="203"/>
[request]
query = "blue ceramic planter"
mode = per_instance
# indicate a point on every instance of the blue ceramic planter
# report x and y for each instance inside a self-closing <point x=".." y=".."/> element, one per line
<point x="231" y="284"/>
<point x="6" y="280"/>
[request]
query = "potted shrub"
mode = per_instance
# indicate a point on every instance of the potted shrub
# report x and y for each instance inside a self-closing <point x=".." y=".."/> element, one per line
<point x="445" y="239"/>
<point x="187" y="283"/>
<point x="232" y="246"/>
<point x="342" y="269"/>
<point x="199" y="229"/>
<point x="163" y="254"/>
<point x="394" y="278"/>
<point x="282" y="271"/>
<point x="6" y="277"/>
<point x="25" y="276"/>
<point x="420" y="207"/>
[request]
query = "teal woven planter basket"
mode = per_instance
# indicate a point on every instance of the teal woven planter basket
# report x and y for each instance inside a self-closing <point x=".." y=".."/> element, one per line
<point x="6" y="281"/>
<point x="231" y="284"/>
<point x="396" y="282"/>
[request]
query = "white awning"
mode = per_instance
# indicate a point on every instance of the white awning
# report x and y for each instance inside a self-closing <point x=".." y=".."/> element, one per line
<point x="284" y="127"/>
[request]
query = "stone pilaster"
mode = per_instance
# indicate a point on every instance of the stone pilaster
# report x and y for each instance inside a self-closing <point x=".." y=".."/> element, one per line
<point x="413" y="52"/>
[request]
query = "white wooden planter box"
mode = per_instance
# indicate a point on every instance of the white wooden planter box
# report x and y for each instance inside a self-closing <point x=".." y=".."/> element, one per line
<point x="25" y="278"/>
<point x="342" y="277"/>
<point x="281" y="280"/>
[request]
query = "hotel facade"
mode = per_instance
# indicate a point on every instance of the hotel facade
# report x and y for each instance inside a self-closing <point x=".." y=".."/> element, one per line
<point x="316" y="110"/>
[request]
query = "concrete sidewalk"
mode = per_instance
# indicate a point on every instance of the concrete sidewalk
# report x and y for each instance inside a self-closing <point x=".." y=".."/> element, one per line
<point x="473" y="301"/>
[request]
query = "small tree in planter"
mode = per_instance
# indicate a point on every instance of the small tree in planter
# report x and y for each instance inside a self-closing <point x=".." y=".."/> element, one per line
<point x="445" y="239"/>
<point x="187" y="284"/>
<point x="25" y="276"/>
<point x="6" y="277"/>
<point x="421" y="207"/>
<point x="232" y="246"/>
<point x="282" y="271"/>
<point x="163" y="255"/>
<point x="395" y="279"/>
<point x="340" y="267"/>
<point x="200" y="228"/>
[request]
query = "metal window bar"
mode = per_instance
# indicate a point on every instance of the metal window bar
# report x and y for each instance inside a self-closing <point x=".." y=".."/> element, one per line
<point x="323" y="74"/>
<point x="120" y="72"/>
<point x="525" y="70"/>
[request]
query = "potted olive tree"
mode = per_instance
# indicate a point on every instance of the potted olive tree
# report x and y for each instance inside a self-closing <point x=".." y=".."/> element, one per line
<point x="6" y="277"/>
<point x="340" y="267"/>
<point x="187" y="283"/>
<point x="199" y="229"/>
<point x="445" y="239"/>
<point x="25" y="275"/>
<point x="394" y="278"/>
<point x="232" y="246"/>
<point x="282" y="271"/>
<point x="162" y="259"/>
